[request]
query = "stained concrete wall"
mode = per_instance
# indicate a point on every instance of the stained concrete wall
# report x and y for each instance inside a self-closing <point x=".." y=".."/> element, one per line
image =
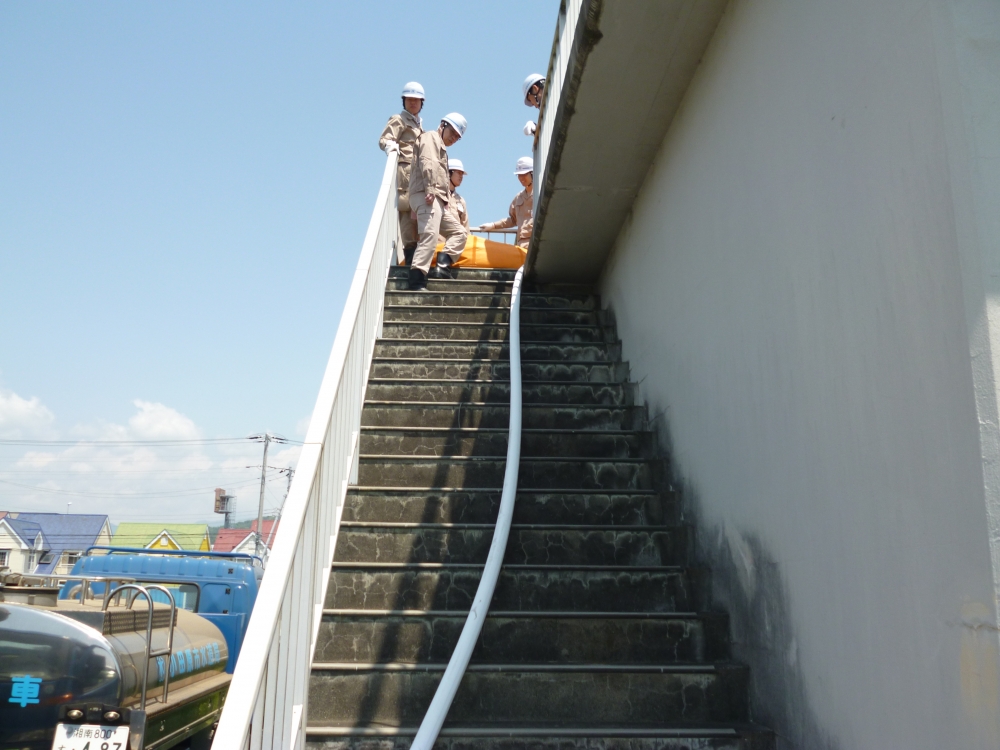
<point x="807" y="288"/>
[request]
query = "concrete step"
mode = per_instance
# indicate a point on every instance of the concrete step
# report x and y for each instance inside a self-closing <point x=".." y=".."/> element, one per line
<point x="597" y="636"/>
<point x="476" y="315"/>
<point x="516" y="637"/>
<point x="488" y="472"/>
<point x="562" y="353"/>
<point x="379" y="413"/>
<point x="447" y="441"/>
<point x="495" y="281"/>
<point x="532" y="392"/>
<point x="534" y="544"/>
<point x="489" y="299"/>
<point x="484" y="369"/>
<point x="594" y="507"/>
<point x="427" y="329"/>
<point x="417" y="330"/>
<point x="463" y="274"/>
<point x="584" y="736"/>
<point x="475" y="286"/>
<point x="522" y="588"/>
<point x="396" y="694"/>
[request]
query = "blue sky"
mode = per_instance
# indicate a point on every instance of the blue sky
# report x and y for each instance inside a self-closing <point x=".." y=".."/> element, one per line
<point x="184" y="188"/>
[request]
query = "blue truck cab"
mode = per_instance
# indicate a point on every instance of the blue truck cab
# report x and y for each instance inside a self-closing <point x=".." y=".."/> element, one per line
<point x="220" y="586"/>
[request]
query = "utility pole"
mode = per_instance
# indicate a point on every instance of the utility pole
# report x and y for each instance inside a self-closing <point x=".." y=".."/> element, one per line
<point x="260" y="507"/>
<point x="274" y="526"/>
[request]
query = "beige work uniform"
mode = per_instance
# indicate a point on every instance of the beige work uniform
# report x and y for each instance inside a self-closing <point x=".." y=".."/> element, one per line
<point x="458" y="207"/>
<point x="519" y="216"/>
<point x="429" y="176"/>
<point x="403" y="130"/>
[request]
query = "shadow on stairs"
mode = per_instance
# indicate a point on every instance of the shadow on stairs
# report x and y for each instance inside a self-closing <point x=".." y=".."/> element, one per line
<point x="597" y="635"/>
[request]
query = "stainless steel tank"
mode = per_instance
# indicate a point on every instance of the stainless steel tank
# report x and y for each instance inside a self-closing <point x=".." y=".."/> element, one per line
<point x="73" y="653"/>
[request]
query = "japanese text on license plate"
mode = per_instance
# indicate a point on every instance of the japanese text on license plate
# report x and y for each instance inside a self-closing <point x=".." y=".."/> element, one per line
<point x="90" y="737"/>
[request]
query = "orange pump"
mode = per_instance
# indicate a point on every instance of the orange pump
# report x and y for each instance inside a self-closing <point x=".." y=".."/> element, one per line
<point x="482" y="253"/>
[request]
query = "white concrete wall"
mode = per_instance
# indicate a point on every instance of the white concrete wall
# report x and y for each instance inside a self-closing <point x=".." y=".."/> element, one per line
<point x="808" y="290"/>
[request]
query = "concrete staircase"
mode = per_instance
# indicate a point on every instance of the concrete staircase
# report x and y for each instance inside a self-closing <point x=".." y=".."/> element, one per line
<point x="597" y="635"/>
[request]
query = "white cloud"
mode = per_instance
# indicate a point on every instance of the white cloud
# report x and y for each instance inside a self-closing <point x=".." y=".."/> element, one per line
<point x="36" y="460"/>
<point x="302" y="426"/>
<point x="127" y="480"/>
<point x="156" y="421"/>
<point x="22" y="418"/>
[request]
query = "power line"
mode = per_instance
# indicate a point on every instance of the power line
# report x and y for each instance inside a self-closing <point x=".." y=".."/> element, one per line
<point x="174" y="518"/>
<point x="91" y="472"/>
<point x="42" y="460"/>
<point x="269" y="437"/>
<point x="174" y="493"/>
<point x="130" y="461"/>
<point x="193" y="441"/>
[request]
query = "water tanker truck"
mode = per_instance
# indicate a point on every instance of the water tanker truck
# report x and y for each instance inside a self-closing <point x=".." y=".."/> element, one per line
<point x="131" y="650"/>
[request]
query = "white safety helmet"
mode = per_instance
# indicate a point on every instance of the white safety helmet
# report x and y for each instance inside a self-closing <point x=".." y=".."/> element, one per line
<point x="413" y="90"/>
<point x="528" y="83"/>
<point x="455" y="165"/>
<point x="524" y="165"/>
<point x="457" y="122"/>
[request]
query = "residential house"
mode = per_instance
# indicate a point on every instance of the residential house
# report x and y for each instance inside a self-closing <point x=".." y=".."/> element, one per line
<point x="244" y="540"/>
<point x="49" y="542"/>
<point x="174" y="536"/>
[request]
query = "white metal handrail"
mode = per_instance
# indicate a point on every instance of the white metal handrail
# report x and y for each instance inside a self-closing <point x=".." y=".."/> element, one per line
<point x="504" y="233"/>
<point x="438" y="710"/>
<point x="266" y="705"/>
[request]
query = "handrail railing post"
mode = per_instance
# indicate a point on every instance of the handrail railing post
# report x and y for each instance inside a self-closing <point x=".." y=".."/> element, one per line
<point x="266" y="705"/>
<point x="503" y="232"/>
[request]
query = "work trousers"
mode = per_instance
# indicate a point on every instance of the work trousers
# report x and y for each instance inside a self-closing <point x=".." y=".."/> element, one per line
<point x="524" y="234"/>
<point x="407" y="226"/>
<point x="431" y="220"/>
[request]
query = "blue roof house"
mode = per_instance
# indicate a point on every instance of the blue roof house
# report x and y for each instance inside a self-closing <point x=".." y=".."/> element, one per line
<point x="49" y="542"/>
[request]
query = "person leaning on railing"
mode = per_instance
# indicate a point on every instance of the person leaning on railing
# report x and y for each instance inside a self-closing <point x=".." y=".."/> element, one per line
<point x="532" y="89"/>
<point x="520" y="208"/>
<point x="400" y="133"/>
<point x="430" y="194"/>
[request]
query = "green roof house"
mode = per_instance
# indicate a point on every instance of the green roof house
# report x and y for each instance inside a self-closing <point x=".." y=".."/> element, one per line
<point x="189" y="536"/>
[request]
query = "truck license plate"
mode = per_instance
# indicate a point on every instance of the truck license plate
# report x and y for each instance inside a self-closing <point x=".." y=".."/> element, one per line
<point x="90" y="737"/>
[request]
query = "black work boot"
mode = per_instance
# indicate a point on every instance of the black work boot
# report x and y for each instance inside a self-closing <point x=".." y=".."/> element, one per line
<point x="408" y="251"/>
<point x="417" y="280"/>
<point x="443" y="269"/>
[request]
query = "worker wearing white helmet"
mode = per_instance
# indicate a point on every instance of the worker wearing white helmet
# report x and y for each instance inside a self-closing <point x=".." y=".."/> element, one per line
<point x="430" y="196"/>
<point x="531" y="90"/>
<point x="456" y="173"/>
<point x="519" y="214"/>
<point x="400" y="133"/>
